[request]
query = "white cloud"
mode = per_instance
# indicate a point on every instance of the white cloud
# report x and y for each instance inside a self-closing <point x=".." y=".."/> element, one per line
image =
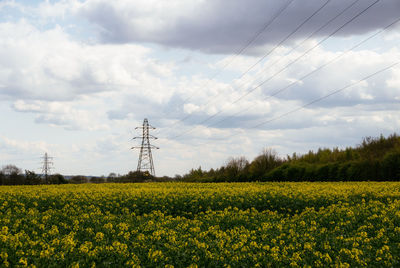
<point x="394" y="81"/>
<point x="49" y="65"/>
<point x="64" y="114"/>
<point x="24" y="146"/>
<point x="59" y="9"/>
<point x="190" y="108"/>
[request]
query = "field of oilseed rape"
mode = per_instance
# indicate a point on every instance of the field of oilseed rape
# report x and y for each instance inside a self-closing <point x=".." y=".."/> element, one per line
<point x="201" y="225"/>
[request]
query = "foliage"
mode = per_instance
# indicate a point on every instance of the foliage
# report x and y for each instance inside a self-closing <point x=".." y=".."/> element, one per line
<point x="10" y="170"/>
<point x="78" y="179"/>
<point x="12" y="175"/>
<point x="391" y="165"/>
<point x="97" y="180"/>
<point x="265" y="162"/>
<point x="348" y="224"/>
<point x="31" y="178"/>
<point x="132" y="176"/>
<point x="374" y="159"/>
<point x="57" y="179"/>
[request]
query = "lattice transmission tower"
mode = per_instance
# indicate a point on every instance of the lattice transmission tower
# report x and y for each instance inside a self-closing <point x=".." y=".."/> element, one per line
<point x="145" y="162"/>
<point x="47" y="166"/>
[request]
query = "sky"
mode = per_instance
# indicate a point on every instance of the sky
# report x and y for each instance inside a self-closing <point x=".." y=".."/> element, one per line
<point x="217" y="79"/>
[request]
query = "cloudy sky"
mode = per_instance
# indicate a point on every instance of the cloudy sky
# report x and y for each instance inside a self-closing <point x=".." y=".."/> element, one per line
<point x="216" y="78"/>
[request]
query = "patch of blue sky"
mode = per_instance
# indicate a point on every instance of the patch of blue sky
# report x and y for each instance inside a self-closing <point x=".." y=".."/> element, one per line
<point x="377" y="43"/>
<point x="31" y="3"/>
<point x="10" y="13"/>
<point x="78" y="28"/>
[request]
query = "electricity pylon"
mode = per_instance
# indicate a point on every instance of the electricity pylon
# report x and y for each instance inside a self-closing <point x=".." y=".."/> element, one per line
<point x="145" y="162"/>
<point x="47" y="163"/>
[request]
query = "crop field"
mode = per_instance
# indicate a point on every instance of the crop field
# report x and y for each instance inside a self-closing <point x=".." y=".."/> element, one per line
<point x="196" y="225"/>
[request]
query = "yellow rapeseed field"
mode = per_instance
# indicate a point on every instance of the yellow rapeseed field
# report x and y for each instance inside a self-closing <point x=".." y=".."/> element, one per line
<point x="349" y="224"/>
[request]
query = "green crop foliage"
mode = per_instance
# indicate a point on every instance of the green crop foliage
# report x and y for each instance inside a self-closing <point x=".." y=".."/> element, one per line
<point x="347" y="224"/>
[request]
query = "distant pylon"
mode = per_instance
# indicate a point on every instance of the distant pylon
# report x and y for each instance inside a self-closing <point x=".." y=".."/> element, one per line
<point x="145" y="162"/>
<point x="47" y="163"/>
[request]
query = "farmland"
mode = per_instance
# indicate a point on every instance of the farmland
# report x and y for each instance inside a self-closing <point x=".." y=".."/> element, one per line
<point x="187" y="224"/>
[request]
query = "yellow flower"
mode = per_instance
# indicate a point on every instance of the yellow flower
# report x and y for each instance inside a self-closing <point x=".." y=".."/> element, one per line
<point x="23" y="261"/>
<point x="4" y="230"/>
<point x="99" y="236"/>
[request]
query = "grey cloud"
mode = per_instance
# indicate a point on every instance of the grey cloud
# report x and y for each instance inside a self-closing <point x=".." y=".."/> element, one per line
<point x="223" y="26"/>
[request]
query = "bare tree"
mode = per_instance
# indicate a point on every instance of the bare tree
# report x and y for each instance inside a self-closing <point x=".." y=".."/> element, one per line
<point x="11" y="170"/>
<point x="235" y="167"/>
<point x="266" y="161"/>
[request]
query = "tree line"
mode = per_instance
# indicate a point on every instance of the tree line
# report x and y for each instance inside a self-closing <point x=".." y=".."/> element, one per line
<point x="12" y="175"/>
<point x="375" y="158"/>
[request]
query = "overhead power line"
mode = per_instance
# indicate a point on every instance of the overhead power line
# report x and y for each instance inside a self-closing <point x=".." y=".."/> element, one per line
<point x="281" y="70"/>
<point x="260" y="60"/>
<point x="309" y="37"/>
<point x="264" y="56"/>
<point x="238" y="53"/>
<point x="294" y="48"/>
<point x="310" y="73"/>
<point x="331" y="93"/>
<point x="285" y="39"/>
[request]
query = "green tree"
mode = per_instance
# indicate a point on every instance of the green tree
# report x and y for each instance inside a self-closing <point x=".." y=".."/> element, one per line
<point x="78" y="179"/>
<point x="31" y="178"/>
<point x="57" y="179"/>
